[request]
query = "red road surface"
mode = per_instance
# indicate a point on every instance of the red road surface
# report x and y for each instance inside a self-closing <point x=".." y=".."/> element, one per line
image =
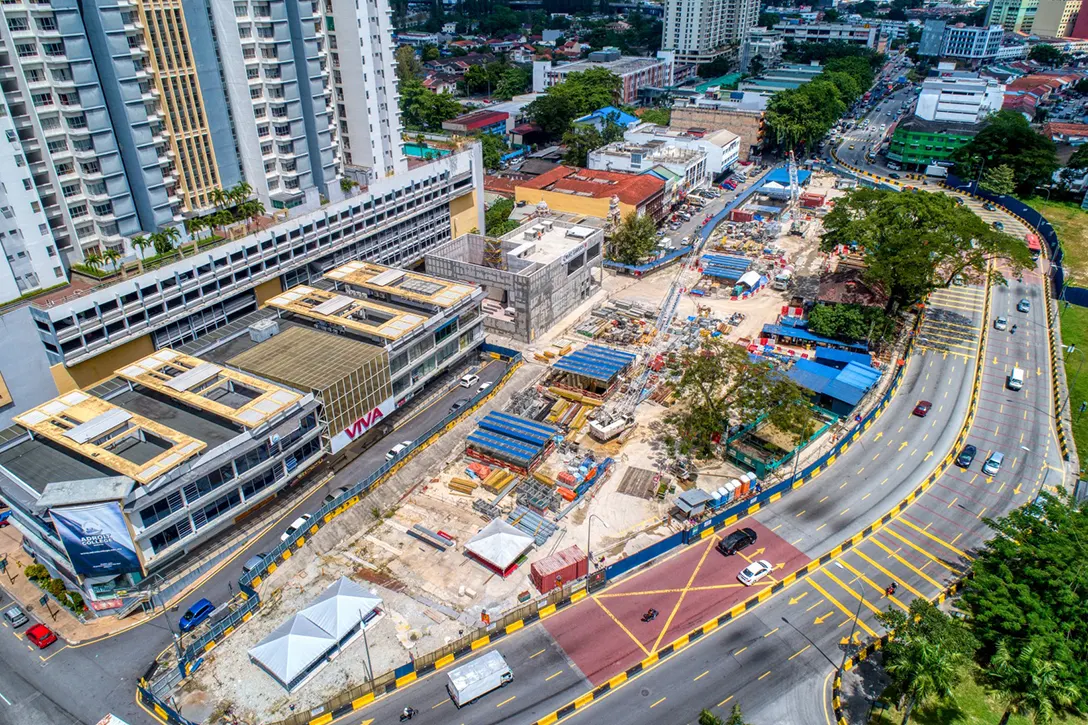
<point x="604" y="634"/>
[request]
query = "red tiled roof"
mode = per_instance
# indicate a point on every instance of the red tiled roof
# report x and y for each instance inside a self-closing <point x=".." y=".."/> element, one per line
<point x="632" y="189"/>
<point x="480" y="119"/>
<point x="499" y="184"/>
<point x="1067" y="129"/>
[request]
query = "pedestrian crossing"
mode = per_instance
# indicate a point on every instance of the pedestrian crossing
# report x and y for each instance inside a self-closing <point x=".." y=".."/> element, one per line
<point x="953" y="322"/>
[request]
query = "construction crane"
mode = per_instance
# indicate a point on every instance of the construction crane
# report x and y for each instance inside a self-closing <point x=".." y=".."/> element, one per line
<point x="612" y="420"/>
<point x="794" y="209"/>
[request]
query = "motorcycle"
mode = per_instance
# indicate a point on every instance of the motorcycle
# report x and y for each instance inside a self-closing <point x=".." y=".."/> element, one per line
<point x="408" y="714"/>
<point x="650" y="616"/>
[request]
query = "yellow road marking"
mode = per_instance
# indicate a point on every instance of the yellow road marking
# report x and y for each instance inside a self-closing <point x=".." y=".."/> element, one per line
<point x="701" y="676"/>
<point x="549" y="678"/>
<point x="942" y="542"/>
<point x="509" y="699"/>
<point x="657" y="703"/>
<point x="676" y="608"/>
<point x="882" y="570"/>
<point x="621" y="625"/>
<point x="849" y="590"/>
<point x="798" y="652"/>
<point x="919" y="549"/>
<point x="842" y="608"/>
<point x="904" y="562"/>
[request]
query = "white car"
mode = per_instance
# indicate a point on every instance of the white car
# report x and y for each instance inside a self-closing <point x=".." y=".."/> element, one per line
<point x="483" y="387"/>
<point x="395" y="450"/>
<point x="468" y="380"/>
<point x="296" y="526"/>
<point x="754" y="572"/>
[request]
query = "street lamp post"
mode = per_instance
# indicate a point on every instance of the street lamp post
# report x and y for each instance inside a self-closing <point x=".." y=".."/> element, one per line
<point x="589" y="539"/>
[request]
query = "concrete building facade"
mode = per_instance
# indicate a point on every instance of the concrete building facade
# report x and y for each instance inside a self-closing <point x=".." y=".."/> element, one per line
<point x="739" y="112"/>
<point x="547" y="268"/>
<point x="722" y="147"/>
<point x="698" y="31"/>
<point x="958" y="97"/>
<point x="1055" y="18"/>
<point x="828" y="33"/>
<point x="634" y="73"/>
<point x="767" y="43"/>
<point x="688" y="164"/>
<point x="1014" y="16"/>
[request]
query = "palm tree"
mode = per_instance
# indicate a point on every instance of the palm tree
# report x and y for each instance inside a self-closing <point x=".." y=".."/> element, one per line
<point x="243" y="190"/>
<point x="160" y="242"/>
<point x="141" y="243"/>
<point x="111" y="257"/>
<point x="172" y="236"/>
<point x="253" y="209"/>
<point x="1029" y="683"/>
<point x="926" y="670"/>
<point x="93" y="262"/>
<point x="218" y="197"/>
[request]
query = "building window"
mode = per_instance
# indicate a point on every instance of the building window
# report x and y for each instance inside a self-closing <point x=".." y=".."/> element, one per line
<point x="26" y="50"/>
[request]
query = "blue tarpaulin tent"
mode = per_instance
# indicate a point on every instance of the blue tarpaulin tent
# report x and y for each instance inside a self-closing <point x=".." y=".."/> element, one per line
<point x="782" y="176"/>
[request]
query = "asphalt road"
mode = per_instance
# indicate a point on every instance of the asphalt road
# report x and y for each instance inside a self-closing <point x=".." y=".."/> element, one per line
<point x="84" y="682"/>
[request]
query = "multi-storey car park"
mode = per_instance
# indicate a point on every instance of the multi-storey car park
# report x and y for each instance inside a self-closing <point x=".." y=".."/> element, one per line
<point x="395" y="221"/>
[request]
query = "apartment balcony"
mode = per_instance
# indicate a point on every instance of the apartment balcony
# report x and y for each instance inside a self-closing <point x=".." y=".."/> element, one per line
<point x="23" y="34"/>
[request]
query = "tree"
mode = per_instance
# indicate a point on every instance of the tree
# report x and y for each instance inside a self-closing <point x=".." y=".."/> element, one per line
<point x="141" y="244"/>
<point x="429" y="53"/>
<point x="1048" y="55"/>
<point x="850" y="323"/>
<point x="217" y="197"/>
<point x="715" y="68"/>
<point x="914" y="243"/>
<point x="756" y="65"/>
<point x="662" y="116"/>
<point x="722" y="388"/>
<point x="767" y="20"/>
<point x="497" y="220"/>
<point x="847" y="85"/>
<point x="801" y="116"/>
<point x="1008" y="140"/>
<point x="111" y="257"/>
<point x="422" y="108"/>
<point x="494" y="146"/>
<point x="580" y="140"/>
<point x="999" y="180"/>
<point x="513" y="82"/>
<point x="580" y="93"/>
<point x="408" y="65"/>
<point x="633" y="239"/>
<point x="482" y="78"/>
<point x="1079" y="159"/>
<point x="1081" y="86"/>
<point x="1027" y="590"/>
<point x="1030" y="683"/>
<point x="831" y="15"/>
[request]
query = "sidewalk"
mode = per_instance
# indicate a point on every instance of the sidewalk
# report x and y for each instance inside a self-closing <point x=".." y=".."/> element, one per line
<point x="26" y="593"/>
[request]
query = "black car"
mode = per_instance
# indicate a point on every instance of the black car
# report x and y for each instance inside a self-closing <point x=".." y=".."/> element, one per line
<point x="966" y="456"/>
<point x="458" y="405"/>
<point x="736" y="541"/>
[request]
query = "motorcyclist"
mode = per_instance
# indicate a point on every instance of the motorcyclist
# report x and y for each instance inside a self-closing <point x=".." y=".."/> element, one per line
<point x="407" y="713"/>
<point x="1014" y="328"/>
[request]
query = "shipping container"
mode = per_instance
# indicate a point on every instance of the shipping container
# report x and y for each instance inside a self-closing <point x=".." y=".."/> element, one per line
<point x="561" y="567"/>
<point x="741" y="215"/>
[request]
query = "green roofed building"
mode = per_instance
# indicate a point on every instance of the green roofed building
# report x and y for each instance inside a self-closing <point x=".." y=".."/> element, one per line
<point x="918" y="143"/>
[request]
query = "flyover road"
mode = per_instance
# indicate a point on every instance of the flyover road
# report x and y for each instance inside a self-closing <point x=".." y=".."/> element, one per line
<point x="601" y="636"/>
<point x="88" y="680"/>
<point x="795" y="636"/>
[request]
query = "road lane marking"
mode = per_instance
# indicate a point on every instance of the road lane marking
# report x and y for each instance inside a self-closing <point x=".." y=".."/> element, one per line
<point x="510" y="699"/>
<point x="770" y="633"/>
<point x="621" y="626"/>
<point x="798" y="652"/>
<point x="851" y="592"/>
<point x="701" y="676"/>
<point x="884" y="571"/>
<point x="657" y="703"/>
<point x="799" y="515"/>
<point x="920" y="550"/>
<point x="904" y="562"/>
<point x="942" y="542"/>
<point x="549" y="678"/>
<point x="739" y="651"/>
<point x="537" y="654"/>
<point x="814" y="605"/>
<point x="724" y="701"/>
<point x="823" y="499"/>
<point x="842" y="608"/>
<point x="440" y="704"/>
<point x="821" y="526"/>
<point x="676" y="608"/>
<point x="5" y="699"/>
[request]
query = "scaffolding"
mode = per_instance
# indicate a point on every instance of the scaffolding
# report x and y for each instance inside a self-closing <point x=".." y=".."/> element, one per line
<point x="493" y="256"/>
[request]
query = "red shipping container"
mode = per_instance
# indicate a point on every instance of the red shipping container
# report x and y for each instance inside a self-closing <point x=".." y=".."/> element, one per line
<point x="562" y="566"/>
<point x="565" y="477"/>
<point x="741" y="215"/>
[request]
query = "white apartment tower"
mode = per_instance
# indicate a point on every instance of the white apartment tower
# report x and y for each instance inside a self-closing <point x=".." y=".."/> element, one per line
<point x="368" y="115"/>
<point x="698" y="31"/>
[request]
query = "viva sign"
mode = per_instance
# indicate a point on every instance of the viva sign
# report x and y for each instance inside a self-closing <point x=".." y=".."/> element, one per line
<point x="361" y="425"/>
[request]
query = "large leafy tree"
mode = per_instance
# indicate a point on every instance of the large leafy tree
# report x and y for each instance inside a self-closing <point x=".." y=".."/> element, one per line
<point x="1030" y="683"/>
<point x="999" y="180"/>
<point x="801" y="116"/>
<point x="494" y="146"/>
<point x="408" y="65"/>
<point x="513" y="82"/>
<point x="916" y="242"/>
<point x="633" y="239"/>
<point x="851" y="323"/>
<point x="581" y="93"/>
<point x="722" y="387"/>
<point x="1047" y="55"/>
<point x="583" y="138"/>
<point x="1028" y="590"/>
<point x="422" y="108"/>
<point x="1008" y="140"/>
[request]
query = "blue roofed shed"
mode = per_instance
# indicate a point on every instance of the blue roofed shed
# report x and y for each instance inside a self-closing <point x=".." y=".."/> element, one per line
<point x="836" y="390"/>
<point x="782" y="176"/>
<point x="839" y="358"/>
<point x="599" y="118"/>
<point x="594" y="368"/>
<point x="805" y="337"/>
<point x="510" y="441"/>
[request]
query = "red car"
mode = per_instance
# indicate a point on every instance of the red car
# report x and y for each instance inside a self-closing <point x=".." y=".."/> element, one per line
<point x="922" y="408"/>
<point x="41" y="635"/>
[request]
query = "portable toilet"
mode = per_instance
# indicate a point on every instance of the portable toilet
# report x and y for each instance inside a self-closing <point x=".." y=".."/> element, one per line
<point x="732" y="487"/>
<point x="722" y="494"/>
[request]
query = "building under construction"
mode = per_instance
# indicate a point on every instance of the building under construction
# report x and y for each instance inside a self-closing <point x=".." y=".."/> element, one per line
<point x="533" y="276"/>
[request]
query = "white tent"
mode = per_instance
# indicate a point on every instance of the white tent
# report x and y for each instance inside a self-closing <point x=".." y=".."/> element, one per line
<point x="749" y="279"/>
<point x="499" y="545"/>
<point x="337" y="610"/>
<point x="303" y="644"/>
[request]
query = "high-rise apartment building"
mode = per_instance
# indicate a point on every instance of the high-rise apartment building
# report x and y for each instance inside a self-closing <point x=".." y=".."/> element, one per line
<point x="1015" y="16"/>
<point x="1055" y="18"/>
<point x="130" y="114"/>
<point x="698" y="31"/>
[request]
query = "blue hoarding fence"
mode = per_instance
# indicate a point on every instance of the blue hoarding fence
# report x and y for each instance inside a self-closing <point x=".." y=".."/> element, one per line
<point x="158" y="708"/>
<point x="639" y="558"/>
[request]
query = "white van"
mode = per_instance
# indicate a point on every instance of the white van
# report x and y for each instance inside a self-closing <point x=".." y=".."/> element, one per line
<point x="1016" y="379"/>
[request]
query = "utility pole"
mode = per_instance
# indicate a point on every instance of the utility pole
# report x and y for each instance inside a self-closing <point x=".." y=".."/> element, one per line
<point x="366" y="645"/>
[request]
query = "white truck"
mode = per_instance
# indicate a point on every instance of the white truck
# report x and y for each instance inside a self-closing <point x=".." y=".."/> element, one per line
<point x="471" y="681"/>
<point x="938" y="171"/>
<point x="782" y="279"/>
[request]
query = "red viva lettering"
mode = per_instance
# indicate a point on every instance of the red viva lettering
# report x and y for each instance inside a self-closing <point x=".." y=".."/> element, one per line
<point x="364" y="423"/>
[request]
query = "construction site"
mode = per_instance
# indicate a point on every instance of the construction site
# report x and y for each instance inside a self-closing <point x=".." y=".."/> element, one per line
<point x="573" y="472"/>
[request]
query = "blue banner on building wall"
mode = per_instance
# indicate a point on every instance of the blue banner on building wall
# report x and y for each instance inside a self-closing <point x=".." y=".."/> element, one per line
<point x="96" y="539"/>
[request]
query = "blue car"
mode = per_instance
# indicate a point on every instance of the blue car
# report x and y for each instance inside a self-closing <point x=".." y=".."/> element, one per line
<point x="195" y="615"/>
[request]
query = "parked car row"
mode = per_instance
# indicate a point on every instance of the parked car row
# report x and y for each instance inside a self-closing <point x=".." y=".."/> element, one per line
<point x="38" y="634"/>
